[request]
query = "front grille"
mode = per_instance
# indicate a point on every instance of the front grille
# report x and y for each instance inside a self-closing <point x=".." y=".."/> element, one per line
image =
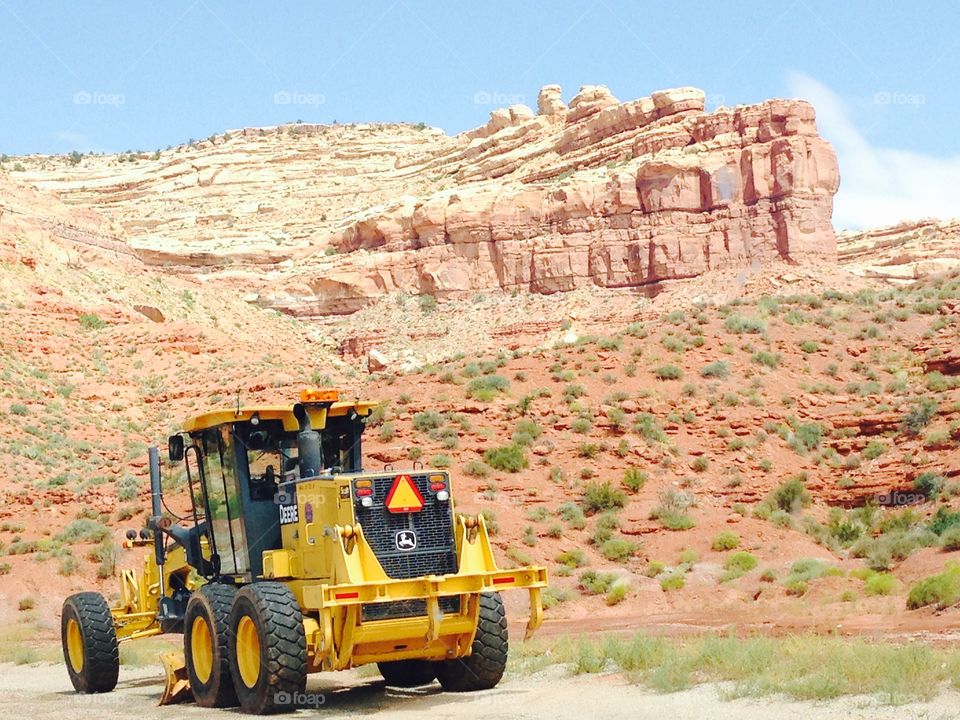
<point x="436" y="552"/>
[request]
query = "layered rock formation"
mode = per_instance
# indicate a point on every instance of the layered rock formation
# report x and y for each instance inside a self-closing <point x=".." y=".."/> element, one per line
<point x="902" y="253"/>
<point x="605" y="193"/>
<point x="321" y="220"/>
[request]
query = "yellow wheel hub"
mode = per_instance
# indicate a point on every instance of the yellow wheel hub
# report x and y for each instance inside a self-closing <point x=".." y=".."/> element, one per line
<point x="201" y="649"/>
<point x="74" y="645"/>
<point x="248" y="651"/>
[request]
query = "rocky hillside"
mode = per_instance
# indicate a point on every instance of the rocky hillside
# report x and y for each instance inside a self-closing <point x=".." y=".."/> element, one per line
<point x="597" y="193"/>
<point x="645" y="365"/>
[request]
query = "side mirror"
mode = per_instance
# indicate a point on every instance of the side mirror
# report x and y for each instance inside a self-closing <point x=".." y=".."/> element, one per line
<point x="175" y="448"/>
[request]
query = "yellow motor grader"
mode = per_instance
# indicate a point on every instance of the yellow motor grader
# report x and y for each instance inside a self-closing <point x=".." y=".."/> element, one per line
<point x="290" y="558"/>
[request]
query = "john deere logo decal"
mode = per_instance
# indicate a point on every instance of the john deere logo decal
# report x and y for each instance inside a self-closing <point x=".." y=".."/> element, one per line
<point x="406" y="540"/>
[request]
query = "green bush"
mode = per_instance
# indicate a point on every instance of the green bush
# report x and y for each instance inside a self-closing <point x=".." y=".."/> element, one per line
<point x="717" y="369"/>
<point x="941" y="590"/>
<point x="619" y="549"/>
<point x="603" y="496"/>
<point x="89" y="531"/>
<point x="668" y="372"/>
<point x="791" y="496"/>
<point x="950" y="540"/>
<point x="428" y="420"/>
<point x="928" y="484"/>
<point x="726" y="540"/>
<point x="880" y="584"/>
<point x="767" y="359"/>
<point x="486" y="388"/>
<point x="475" y="468"/>
<point x="810" y="346"/>
<point x="922" y="412"/>
<point x="89" y="321"/>
<point x="572" y="514"/>
<point x="604" y="527"/>
<point x="740" y="325"/>
<point x="572" y="558"/>
<point x="509" y="458"/>
<point x="805" y="437"/>
<point x="618" y="591"/>
<point x="596" y="583"/>
<point x="526" y="432"/>
<point x="672" y="581"/>
<point x="740" y="562"/>
<point x="553" y="596"/>
<point x="634" y="479"/>
<point x="943" y="520"/>
<point x="440" y="461"/>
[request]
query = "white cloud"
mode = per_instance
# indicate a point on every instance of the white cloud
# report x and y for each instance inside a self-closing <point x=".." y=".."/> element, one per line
<point x="879" y="185"/>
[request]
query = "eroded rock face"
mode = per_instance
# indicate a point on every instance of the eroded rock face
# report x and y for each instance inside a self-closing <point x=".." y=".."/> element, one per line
<point x="319" y="220"/>
<point x="617" y="195"/>
<point x="902" y="253"/>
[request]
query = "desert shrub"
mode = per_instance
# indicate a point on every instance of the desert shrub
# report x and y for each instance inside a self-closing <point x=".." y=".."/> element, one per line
<point x="943" y="519"/>
<point x="767" y="359"/>
<point x="572" y="514"/>
<point x="672" y="510"/>
<point x="941" y="590"/>
<point x="553" y="596"/>
<point x="618" y="591"/>
<point x="634" y="479"/>
<point x="672" y="581"/>
<point x="928" y="484"/>
<point x="726" y="540"/>
<point x="646" y="425"/>
<point x="790" y="496"/>
<point x="486" y="388"/>
<point x="89" y="321"/>
<point x="604" y="527"/>
<point x="717" y="369"/>
<point x="427" y="420"/>
<point x="603" y="496"/>
<point x="84" y="531"/>
<point x="619" y="549"/>
<point x="740" y="561"/>
<point x="668" y="372"/>
<point x="950" y="540"/>
<point x="572" y="558"/>
<point x="526" y="432"/>
<point x="880" y="584"/>
<point x="509" y="458"/>
<point x="490" y="520"/>
<point x="739" y="325"/>
<point x="475" y="468"/>
<point x="596" y="583"/>
<point x="921" y="413"/>
<point x="701" y="464"/>
<point x="805" y="437"/>
<point x="440" y="461"/>
<point x="654" y="568"/>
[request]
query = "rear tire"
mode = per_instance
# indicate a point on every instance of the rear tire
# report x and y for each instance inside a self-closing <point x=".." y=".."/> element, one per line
<point x="89" y="640"/>
<point x="483" y="668"/>
<point x="206" y="645"/>
<point x="268" y="648"/>
<point x="407" y="673"/>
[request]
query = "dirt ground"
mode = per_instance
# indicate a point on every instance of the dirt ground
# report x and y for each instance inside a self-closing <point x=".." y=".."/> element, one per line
<point x="43" y="691"/>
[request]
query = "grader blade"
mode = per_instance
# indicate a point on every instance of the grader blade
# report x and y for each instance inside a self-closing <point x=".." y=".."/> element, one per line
<point x="177" y="687"/>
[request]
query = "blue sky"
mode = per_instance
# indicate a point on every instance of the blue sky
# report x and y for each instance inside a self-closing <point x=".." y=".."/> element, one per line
<point x="113" y="76"/>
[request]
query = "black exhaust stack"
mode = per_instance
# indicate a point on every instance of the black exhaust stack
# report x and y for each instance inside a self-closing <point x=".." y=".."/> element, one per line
<point x="308" y="444"/>
<point x="156" y="509"/>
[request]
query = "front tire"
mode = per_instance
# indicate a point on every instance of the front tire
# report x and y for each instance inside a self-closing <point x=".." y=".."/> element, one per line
<point x="407" y="673"/>
<point x="89" y="639"/>
<point x="484" y="666"/>
<point x="206" y="646"/>
<point x="268" y="648"/>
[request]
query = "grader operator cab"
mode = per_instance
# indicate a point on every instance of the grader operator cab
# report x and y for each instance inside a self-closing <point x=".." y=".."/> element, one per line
<point x="290" y="558"/>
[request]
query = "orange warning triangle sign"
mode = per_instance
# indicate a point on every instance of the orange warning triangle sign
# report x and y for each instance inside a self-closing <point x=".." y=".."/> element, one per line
<point x="404" y="496"/>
